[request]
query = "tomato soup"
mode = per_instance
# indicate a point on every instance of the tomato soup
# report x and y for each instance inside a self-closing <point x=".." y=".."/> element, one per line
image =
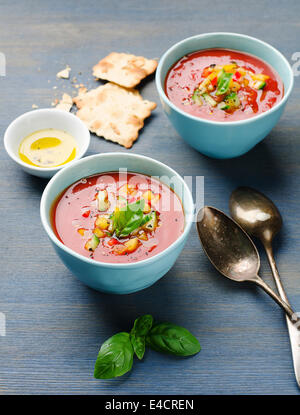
<point x="223" y="85"/>
<point x="118" y="217"/>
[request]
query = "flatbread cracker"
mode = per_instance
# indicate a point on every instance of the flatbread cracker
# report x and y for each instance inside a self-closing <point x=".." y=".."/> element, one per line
<point x="65" y="103"/>
<point x="124" y="69"/>
<point x="114" y="112"/>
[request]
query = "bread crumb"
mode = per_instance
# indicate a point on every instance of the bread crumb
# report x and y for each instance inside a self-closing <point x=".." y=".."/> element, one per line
<point x="65" y="104"/>
<point x="64" y="73"/>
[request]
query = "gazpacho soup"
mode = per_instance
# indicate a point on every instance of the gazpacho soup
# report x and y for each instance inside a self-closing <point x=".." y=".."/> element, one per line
<point x="118" y="217"/>
<point x="223" y="85"/>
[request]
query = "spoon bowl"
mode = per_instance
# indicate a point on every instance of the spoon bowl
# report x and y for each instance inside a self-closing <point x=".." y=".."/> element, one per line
<point x="227" y="246"/>
<point x="256" y="213"/>
<point x="231" y="251"/>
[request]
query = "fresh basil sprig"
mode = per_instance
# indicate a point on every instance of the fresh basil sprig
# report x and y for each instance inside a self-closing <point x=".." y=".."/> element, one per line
<point x="223" y="82"/>
<point x="128" y="218"/>
<point x="169" y="338"/>
<point x="141" y="327"/>
<point x="115" y="357"/>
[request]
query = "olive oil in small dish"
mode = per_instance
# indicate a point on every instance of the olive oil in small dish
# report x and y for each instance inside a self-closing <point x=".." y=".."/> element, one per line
<point x="48" y="148"/>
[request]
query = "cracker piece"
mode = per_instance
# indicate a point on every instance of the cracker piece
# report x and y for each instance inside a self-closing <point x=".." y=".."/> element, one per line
<point x="124" y="69"/>
<point x="114" y="112"/>
<point x="65" y="73"/>
<point x="65" y="103"/>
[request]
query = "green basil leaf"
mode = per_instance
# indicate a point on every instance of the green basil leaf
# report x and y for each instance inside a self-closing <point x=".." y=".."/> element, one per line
<point x="138" y="344"/>
<point x="129" y="218"/>
<point x="169" y="338"/>
<point x="223" y="82"/>
<point x="115" y="357"/>
<point x="140" y="329"/>
<point x="147" y="218"/>
<point x="136" y="222"/>
<point x="132" y="224"/>
<point x="132" y="208"/>
<point x="143" y="324"/>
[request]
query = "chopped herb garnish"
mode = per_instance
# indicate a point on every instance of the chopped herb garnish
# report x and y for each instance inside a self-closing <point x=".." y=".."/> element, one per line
<point x="223" y="82"/>
<point x="129" y="218"/>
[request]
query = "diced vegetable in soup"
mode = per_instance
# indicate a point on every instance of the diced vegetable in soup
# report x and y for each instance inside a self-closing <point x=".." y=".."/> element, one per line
<point x="117" y="217"/>
<point x="223" y="85"/>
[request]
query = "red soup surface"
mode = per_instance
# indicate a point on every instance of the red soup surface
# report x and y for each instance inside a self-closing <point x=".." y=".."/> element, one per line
<point x="118" y="217"/>
<point x="223" y="85"/>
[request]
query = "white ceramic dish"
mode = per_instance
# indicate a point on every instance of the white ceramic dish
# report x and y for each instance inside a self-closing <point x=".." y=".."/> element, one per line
<point x="38" y="120"/>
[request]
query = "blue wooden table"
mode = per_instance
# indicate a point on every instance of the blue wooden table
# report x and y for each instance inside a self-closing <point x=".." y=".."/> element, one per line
<point x="54" y="324"/>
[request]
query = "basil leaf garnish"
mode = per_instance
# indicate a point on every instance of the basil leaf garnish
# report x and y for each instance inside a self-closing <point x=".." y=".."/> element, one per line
<point x="223" y="82"/>
<point x="128" y="218"/>
<point x="138" y="344"/>
<point x="115" y="357"/>
<point x="143" y="324"/>
<point x="172" y="339"/>
<point x="140" y="329"/>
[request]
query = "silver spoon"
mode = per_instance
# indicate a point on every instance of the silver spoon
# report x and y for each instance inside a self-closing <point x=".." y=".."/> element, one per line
<point x="259" y="217"/>
<point x="231" y="250"/>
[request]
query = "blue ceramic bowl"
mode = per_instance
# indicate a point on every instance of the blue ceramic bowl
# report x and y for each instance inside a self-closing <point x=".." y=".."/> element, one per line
<point x="117" y="278"/>
<point x="224" y="139"/>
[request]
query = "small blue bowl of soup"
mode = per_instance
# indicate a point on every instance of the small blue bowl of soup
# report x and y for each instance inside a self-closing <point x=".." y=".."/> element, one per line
<point x="223" y="92"/>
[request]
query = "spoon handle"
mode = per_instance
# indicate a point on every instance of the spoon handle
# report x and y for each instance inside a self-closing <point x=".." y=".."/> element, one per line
<point x="269" y="252"/>
<point x="279" y="301"/>
<point x="292" y="326"/>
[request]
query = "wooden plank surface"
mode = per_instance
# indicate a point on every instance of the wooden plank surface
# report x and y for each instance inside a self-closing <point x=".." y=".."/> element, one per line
<point x="55" y="325"/>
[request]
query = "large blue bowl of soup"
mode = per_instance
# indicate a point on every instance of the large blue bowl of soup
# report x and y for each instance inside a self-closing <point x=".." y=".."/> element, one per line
<point x="80" y="203"/>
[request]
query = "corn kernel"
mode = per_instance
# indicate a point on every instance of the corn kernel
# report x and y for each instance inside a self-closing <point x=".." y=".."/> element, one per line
<point x="81" y="231"/>
<point x="235" y="86"/>
<point x="147" y="195"/>
<point x="99" y="233"/>
<point x="102" y="222"/>
<point x="260" y="77"/>
<point x="230" y="68"/>
<point x="147" y="208"/>
<point x="132" y="244"/>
